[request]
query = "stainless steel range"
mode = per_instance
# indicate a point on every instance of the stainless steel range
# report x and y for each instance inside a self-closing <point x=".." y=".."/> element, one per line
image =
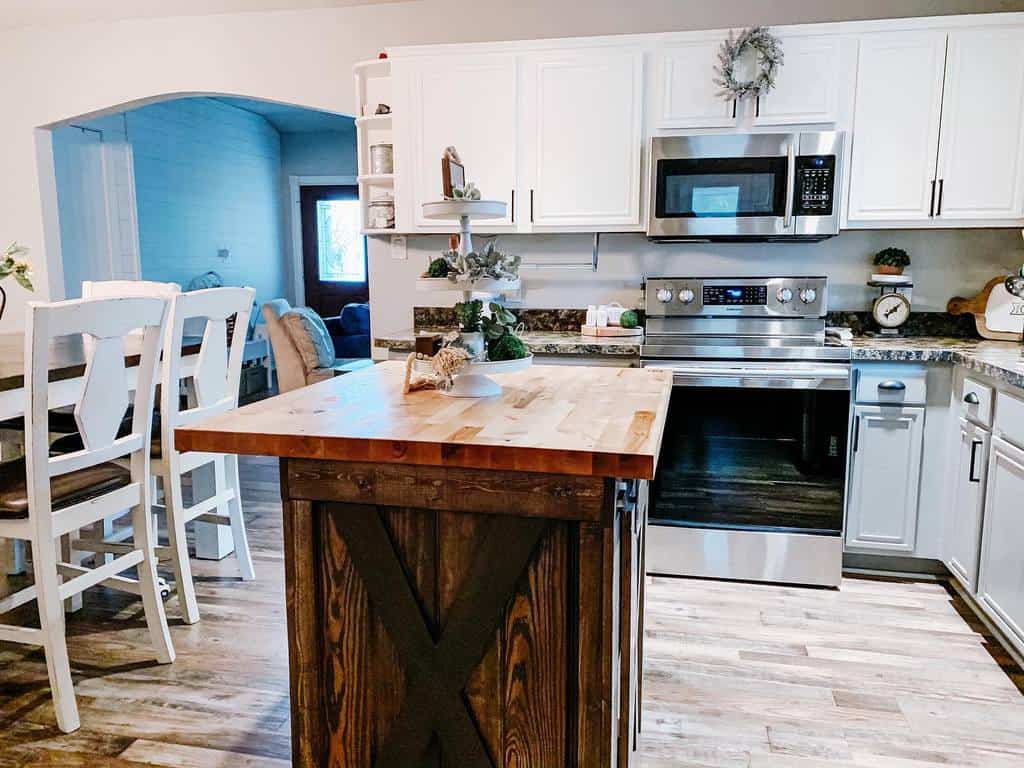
<point x="751" y="480"/>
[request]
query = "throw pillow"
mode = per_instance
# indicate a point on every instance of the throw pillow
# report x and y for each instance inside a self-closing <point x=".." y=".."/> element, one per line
<point x="308" y="333"/>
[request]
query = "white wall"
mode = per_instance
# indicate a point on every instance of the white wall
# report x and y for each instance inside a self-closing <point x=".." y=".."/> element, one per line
<point x="302" y="57"/>
<point x="945" y="263"/>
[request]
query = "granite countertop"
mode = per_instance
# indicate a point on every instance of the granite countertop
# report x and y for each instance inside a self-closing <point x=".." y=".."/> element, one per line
<point x="1002" y="360"/>
<point x="539" y="343"/>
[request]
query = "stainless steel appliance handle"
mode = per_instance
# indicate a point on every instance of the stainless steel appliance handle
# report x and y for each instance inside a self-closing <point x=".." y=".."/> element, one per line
<point x="790" y="182"/>
<point x="682" y="370"/>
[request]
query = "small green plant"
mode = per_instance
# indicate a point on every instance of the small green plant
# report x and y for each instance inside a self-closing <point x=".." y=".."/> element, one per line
<point x="507" y="347"/>
<point x="469" y="314"/>
<point x="499" y="331"/>
<point x="439" y="267"/>
<point x="499" y="323"/>
<point x="629" y="319"/>
<point x="892" y="257"/>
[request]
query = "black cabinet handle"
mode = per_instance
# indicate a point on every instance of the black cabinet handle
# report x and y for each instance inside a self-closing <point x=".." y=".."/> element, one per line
<point x="513" y="206"/>
<point x="974" y="458"/>
<point x="531" y="206"/>
<point x="892" y="385"/>
<point x="757" y="106"/>
<point x="734" y="109"/>
<point x="938" y="210"/>
<point x="856" y="433"/>
<point x="931" y="207"/>
<point x="971" y="398"/>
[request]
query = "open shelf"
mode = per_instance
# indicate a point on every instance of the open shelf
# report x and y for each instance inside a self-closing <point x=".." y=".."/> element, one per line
<point x="374" y="120"/>
<point x="380" y="178"/>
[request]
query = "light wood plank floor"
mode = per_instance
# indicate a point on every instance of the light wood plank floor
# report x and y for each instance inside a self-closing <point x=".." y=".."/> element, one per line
<point x="881" y="674"/>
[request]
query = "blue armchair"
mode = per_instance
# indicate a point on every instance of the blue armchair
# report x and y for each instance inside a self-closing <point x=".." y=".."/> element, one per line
<point x="350" y="331"/>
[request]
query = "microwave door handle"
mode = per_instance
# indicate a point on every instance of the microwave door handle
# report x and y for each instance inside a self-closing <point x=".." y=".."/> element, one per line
<point x="787" y="221"/>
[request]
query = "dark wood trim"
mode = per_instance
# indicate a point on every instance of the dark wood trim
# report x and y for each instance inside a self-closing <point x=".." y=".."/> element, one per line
<point x="449" y="488"/>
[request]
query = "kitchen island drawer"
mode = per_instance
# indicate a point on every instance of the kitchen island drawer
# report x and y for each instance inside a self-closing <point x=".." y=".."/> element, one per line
<point x="891" y="384"/>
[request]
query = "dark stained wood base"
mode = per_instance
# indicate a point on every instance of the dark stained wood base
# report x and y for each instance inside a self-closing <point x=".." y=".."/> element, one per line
<point x="455" y="617"/>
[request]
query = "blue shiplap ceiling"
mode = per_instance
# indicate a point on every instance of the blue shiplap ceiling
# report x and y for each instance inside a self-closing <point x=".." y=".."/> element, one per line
<point x="289" y="119"/>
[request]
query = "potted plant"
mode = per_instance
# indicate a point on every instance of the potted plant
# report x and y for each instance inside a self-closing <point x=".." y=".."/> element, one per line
<point x="891" y="261"/>
<point x="12" y="265"/>
<point x="471" y="337"/>
<point x="502" y="341"/>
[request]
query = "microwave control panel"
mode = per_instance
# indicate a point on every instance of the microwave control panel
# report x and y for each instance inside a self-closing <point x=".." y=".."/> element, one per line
<point x="815" y="185"/>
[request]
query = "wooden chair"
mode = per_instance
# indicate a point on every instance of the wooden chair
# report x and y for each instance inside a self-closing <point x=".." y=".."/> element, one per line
<point x="44" y="498"/>
<point x="215" y="388"/>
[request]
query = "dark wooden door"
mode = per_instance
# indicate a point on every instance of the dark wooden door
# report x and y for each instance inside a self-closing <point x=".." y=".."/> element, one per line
<point x="333" y="250"/>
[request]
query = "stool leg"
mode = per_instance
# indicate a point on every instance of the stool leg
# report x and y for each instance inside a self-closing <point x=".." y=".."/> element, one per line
<point x="51" y="619"/>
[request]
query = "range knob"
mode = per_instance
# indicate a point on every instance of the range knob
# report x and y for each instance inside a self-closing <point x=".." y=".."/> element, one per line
<point x="784" y="295"/>
<point x="664" y="295"/>
<point x="808" y="295"/>
<point x="686" y="296"/>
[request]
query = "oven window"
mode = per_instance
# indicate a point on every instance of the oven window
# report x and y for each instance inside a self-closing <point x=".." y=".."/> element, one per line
<point x="753" y="459"/>
<point x="721" y="187"/>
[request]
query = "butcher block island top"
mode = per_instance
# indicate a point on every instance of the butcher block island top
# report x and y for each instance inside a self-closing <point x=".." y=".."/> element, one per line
<point x="600" y="422"/>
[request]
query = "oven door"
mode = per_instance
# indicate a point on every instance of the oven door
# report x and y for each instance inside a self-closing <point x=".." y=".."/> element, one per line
<point x="722" y="186"/>
<point x="756" y="450"/>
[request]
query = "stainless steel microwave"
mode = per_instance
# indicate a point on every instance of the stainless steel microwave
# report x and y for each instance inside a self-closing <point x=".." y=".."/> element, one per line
<point x="745" y="187"/>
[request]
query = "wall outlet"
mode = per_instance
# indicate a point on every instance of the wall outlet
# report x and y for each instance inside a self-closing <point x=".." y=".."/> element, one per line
<point x="399" y="247"/>
<point x="223" y="253"/>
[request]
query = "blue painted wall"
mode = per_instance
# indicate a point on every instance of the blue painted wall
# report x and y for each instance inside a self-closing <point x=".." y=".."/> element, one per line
<point x="207" y="177"/>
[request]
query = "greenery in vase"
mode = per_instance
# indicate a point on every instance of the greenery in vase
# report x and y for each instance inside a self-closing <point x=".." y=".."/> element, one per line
<point x="892" y="257"/>
<point x="470" y="315"/>
<point x="13" y="265"/>
<point x="499" y="331"/>
<point x="487" y="263"/>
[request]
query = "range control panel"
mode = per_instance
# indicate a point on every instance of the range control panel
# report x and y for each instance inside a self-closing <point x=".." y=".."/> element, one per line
<point x="815" y="185"/>
<point x="739" y="296"/>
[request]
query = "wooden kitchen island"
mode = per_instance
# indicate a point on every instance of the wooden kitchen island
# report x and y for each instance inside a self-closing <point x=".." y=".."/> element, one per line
<point x="464" y="577"/>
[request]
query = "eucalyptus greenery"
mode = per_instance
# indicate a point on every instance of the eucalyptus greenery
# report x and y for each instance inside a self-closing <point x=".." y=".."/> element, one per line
<point x="768" y="49"/>
<point x="12" y="265"/>
<point x="488" y="263"/>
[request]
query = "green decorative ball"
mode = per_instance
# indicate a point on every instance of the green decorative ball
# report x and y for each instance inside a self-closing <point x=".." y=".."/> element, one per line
<point x="507" y="347"/>
<point x="629" y="319"/>
<point x="438" y="268"/>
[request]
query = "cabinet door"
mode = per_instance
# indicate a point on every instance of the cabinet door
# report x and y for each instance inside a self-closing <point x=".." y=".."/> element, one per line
<point x="807" y="87"/>
<point x="980" y="154"/>
<point x="968" y="503"/>
<point x="468" y="102"/>
<point x="896" y="126"/>
<point x="885" y="476"/>
<point x="1001" y="579"/>
<point x="689" y="97"/>
<point x="583" y="133"/>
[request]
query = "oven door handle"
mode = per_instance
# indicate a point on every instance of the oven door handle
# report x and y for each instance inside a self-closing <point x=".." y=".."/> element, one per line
<point x="683" y="372"/>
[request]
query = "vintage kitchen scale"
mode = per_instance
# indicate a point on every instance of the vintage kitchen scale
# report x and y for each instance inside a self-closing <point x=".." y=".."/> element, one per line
<point x="891" y="309"/>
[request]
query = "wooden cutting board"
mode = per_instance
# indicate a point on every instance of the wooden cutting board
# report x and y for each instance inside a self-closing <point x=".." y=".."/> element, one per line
<point x="992" y="312"/>
<point x="610" y="330"/>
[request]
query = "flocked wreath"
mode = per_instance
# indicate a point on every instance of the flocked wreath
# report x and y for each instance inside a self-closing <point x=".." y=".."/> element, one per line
<point x="768" y="49"/>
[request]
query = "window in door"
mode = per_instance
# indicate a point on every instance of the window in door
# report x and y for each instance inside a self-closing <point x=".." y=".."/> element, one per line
<point x="334" y="250"/>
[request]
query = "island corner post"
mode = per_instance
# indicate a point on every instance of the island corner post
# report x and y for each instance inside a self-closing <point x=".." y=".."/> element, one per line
<point x="462" y="617"/>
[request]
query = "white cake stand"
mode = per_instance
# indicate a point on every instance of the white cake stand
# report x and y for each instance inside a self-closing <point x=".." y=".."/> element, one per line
<point x="473" y="379"/>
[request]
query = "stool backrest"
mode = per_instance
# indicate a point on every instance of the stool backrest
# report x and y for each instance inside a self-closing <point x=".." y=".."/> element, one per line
<point x="218" y="366"/>
<point x="105" y="389"/>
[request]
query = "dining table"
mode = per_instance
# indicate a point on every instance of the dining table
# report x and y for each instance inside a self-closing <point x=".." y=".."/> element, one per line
<point x="66" y="371"/>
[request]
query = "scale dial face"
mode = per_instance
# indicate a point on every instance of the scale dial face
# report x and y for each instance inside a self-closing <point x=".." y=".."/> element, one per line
<point x="891" y="310"/>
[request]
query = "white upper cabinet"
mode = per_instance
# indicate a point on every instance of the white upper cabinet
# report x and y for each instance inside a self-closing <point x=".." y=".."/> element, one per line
<point x="688" y="96"/>
<point x="808" y="84"/>
<point x="980" y="151"/>
<point x="582" y="137"/>
<point x="896" y="125"/>
<point x="470" y="102"/>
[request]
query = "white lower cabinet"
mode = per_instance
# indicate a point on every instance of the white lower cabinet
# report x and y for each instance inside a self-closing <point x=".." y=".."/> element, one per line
<point x="885" y="478"/>
<point x="964" y="540"/>
<point x="1001" y="576"/>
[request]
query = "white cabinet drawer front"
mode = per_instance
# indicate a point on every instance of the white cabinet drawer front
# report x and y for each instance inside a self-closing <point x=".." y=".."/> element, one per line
<point x="968" y="502"/>
<point x="689" y="96"/>
<point x="1010" y="418"/>
<point x="885" y="478"/>
<point x="896" y="125"/>
<point x="976" y="402"/>
<point x="1001" y="580"/>
<point x="584" y="133"/>
<point x="980" y="153"/>
<point x="807" y="88"/>
<point x="895" y="385"/>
